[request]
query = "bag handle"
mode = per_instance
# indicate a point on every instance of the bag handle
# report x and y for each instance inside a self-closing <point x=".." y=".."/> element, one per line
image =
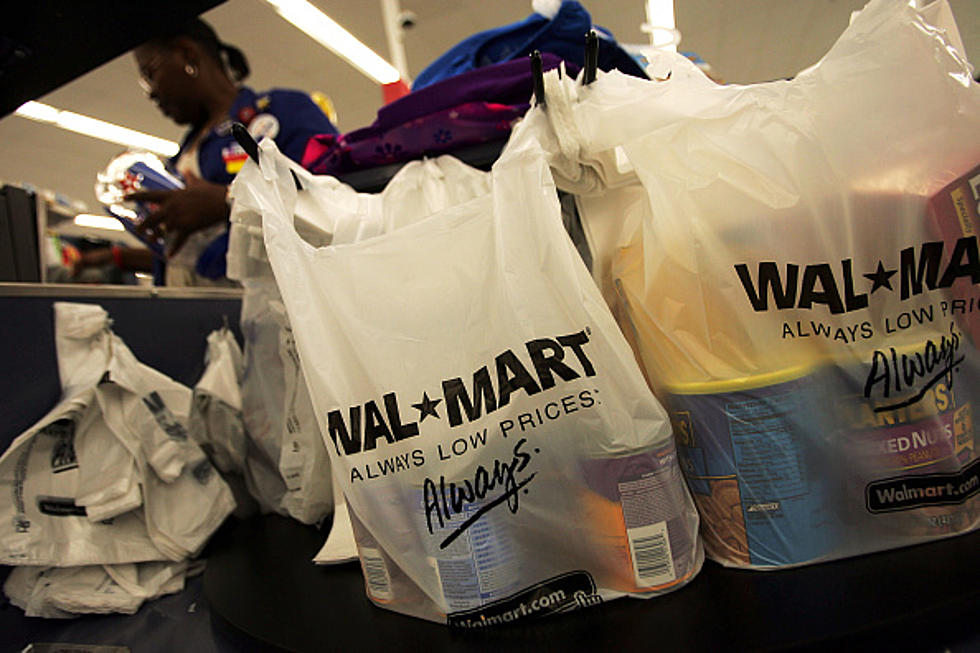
<point x="269" y="184"/>
<point x="251" y="148"/>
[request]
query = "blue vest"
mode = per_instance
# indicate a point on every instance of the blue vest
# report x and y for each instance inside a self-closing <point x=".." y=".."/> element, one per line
<point x="290" y="117"/>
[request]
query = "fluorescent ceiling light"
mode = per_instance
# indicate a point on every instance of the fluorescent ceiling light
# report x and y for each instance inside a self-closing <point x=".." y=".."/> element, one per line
<point x="328" y="33"/>
<point x="95" y="128"/>
<point x="98" y="222"/>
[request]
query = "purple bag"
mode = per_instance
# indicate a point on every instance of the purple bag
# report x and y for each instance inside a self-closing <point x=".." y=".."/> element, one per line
<point x="476" y="107"/>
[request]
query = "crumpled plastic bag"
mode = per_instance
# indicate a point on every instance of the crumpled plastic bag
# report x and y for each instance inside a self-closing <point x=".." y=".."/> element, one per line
<point x="67" y="592"/>
<point x="216" y="415"/>
<point x="110" y="475"/>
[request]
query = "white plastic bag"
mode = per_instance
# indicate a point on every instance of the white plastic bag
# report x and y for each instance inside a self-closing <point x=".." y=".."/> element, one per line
<point x="286" y="466"/>
<point x="493" y="435"/>
<point x="801" y="290"/>
<point x="109" y="475"/>
<point x="65" y="592"/>
<point x="290" y="472"/>
<point x="216" y="415"/>
<point x="421" y="188"/>
<point x="40" y="521"/>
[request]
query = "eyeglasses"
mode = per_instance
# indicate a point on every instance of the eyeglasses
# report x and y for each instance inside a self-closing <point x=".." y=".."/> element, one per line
<point x="148" y="72"/>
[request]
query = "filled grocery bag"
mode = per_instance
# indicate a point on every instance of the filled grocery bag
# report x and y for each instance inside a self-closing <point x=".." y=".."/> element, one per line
<point x="331" y="212"/>
<point x="798" y="266"/>
<point x="501" y="456"/>
<point x="286" y="466"/>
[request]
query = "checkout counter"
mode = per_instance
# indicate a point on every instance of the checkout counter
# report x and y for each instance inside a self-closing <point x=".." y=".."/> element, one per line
<point x="260" y="590"/>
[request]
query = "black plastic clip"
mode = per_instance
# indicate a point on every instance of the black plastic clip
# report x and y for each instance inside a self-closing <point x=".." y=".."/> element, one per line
<point x="591" y="57"/>
<point x="245" y="140"/>
<point x="252" y="148"/>
<point x="538" y="74"/>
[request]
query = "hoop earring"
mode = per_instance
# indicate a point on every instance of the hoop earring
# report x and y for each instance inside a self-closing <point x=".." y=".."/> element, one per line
<point x="190" y="70"/>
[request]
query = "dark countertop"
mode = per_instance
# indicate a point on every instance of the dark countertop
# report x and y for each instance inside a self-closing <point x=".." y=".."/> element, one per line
<point x="920" y="598"/>
<point x="261" y="592"/>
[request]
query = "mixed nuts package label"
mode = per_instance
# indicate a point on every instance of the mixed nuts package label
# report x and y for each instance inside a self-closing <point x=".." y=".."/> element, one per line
<point x="501" y="455"/>
<point x="802" y="289"/>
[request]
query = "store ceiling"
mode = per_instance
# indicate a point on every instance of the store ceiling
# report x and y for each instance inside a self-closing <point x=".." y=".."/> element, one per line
<point x="744" y="41"/>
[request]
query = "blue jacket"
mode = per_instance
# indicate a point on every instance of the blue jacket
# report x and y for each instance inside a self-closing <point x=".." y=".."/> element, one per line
<point x="564" y="36"/>
<point x="289" y="117"/>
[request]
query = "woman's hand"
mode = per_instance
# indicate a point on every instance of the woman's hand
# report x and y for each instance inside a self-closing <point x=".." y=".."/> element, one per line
<point x="180" y="213"/>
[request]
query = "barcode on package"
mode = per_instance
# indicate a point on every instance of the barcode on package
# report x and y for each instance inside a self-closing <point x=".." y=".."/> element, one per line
<point x="650" y="552"/>
<point x="376" y="574"/>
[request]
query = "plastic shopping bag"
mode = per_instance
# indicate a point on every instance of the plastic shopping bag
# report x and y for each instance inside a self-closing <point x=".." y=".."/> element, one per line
<point x="494" y="438"/>
<point x="66" y="592"/>
<point x="109" y="475"/>
<point x="216" y="414"/>
<point x="802" y="292"/>
<point x="286" y="466"/>
<point x="328" y="211"/>
<point x="41" y="522"/>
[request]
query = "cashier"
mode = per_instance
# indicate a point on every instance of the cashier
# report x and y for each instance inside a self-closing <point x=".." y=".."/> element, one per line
<point x="195" y="80"/>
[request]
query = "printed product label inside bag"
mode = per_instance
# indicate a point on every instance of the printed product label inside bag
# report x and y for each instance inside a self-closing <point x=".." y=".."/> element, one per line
<point x="650" y="552"/>
<point x="750" y="465"/>
<point x="480" y="564"/>
<point x="954" y="215"/>
<point x="636" y="519"/>
<point x="891" y="333"/>
<point x="376" y="574"/>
